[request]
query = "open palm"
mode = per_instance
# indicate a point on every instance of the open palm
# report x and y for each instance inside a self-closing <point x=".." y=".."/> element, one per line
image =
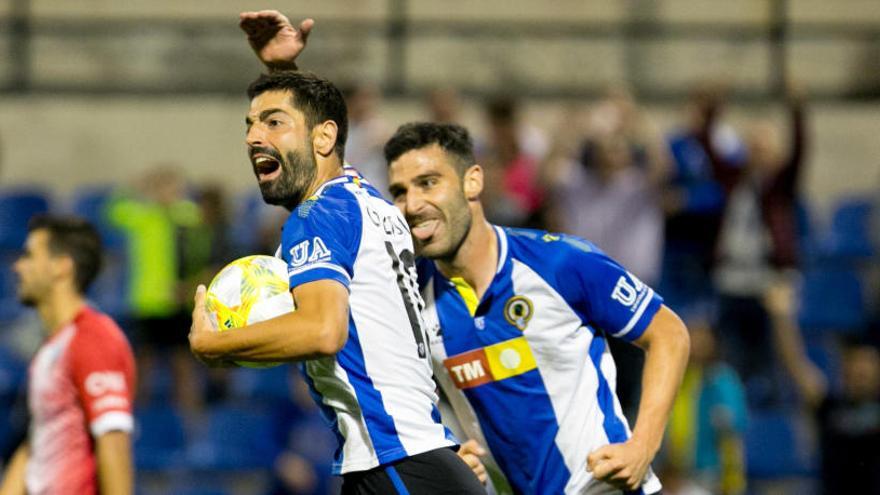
<point x="273" y="38"/>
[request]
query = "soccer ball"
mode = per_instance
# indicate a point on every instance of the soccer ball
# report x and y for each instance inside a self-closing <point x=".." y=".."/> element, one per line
<point x="247" y="291"/>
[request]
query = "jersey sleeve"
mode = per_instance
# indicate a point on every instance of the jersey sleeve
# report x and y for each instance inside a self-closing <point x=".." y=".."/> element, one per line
<point x="320" y="240"/>
<point x="103" y="372"/>
<point x="607" y="295"/>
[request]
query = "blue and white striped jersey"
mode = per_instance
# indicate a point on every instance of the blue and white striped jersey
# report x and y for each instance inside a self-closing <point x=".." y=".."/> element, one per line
<point x="531" y="358"/>
<point x="377" y="392"/>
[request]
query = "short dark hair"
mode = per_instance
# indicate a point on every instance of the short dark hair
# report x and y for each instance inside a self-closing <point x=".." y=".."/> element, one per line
<point x="318" y="99"/>
<point x="74" y="237"/>
<point x="452" y="138"/>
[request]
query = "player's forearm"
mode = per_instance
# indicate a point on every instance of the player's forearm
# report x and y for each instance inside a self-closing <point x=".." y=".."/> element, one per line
<point x="115" y="472"/>
<point x="790" y="347"/>
<point x="291" y="337"/>
<point x="13" y="479"/>
<point x="667" y="345"/>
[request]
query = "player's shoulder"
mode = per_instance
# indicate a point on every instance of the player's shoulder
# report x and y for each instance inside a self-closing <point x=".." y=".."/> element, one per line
<point x="96" y="329"/>
<point x="332" y="207"/>
<point x="540" y="248"/>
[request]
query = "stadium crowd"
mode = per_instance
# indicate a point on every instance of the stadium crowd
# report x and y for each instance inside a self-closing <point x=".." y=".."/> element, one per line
<point x="783" y="385"/>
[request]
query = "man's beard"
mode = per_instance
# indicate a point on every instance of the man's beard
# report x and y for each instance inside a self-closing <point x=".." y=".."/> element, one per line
<point x="298" y="172"/>
<point x="457" y="220"/>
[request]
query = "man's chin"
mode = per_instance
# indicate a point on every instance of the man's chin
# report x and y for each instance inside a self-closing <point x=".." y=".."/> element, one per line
<point x="430" y="249"/>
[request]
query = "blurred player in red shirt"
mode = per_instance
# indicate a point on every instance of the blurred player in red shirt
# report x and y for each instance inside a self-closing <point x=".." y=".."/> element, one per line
<point x="81" y="380"/>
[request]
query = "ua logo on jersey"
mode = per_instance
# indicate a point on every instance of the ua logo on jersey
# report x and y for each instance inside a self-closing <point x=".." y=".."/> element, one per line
<point x="309" y="252"/>
<point x="627" y="293"/>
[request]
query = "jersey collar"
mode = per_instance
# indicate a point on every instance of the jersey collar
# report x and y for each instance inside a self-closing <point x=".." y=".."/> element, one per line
<point x="502" y="248"/>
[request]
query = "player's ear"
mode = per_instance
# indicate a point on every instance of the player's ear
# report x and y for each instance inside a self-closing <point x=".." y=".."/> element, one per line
<point x="63" y="266"/>
<point x="324" y="137"/>
<point x="472" y="182"/>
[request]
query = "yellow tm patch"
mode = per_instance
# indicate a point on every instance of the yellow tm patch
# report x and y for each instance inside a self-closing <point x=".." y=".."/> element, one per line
<point x="510" y="358"/>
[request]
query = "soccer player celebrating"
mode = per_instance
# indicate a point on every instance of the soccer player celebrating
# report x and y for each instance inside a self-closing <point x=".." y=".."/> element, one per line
<point x="357" y="328"/>
<point x="519" y="322"/>
<point x="81" y="380"/>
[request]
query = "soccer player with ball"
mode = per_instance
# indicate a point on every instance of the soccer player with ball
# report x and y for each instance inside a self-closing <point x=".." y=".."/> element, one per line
<point x="357" y="328"/>
<point x="518" y="323"/>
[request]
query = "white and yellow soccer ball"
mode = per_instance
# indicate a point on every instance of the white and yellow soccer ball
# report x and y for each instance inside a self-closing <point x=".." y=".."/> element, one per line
<point x="247" y="291"/>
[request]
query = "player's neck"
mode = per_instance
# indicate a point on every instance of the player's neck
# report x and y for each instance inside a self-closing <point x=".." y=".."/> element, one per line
<point x="328" y="170"/>
<point x="59" y="310"/>
<point x="476" y="260"/>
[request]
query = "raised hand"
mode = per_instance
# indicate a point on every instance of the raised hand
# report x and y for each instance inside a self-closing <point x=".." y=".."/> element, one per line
<point x="275" y="41"/>
<point x="202" y="324"/>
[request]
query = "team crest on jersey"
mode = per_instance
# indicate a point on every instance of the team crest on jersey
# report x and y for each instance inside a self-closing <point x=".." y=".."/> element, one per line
<point x="518" y="311"/>
<point x="309" y="251"/>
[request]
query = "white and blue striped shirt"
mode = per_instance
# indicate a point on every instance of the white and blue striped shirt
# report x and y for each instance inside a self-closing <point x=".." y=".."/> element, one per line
<point x="377" y="392"/>
<point x="531" y="359"/>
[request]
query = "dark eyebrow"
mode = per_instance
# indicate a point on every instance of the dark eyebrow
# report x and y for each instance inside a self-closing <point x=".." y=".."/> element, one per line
<point x="269" y="111"/>
<point x="427" y="175"/>
<point x="264" y="115"/>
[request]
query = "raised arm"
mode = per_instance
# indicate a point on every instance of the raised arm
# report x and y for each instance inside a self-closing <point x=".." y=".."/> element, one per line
<point x="806" y="376"/>
<point x="318" y="328"/>
<point x="785" y="183"/>
<point x="666" y="344"/>
<point x="726" y="173"/>
<point x="275" y="41"/>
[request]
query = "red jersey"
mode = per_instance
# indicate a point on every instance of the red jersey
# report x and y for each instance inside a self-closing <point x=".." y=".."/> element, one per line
<point x="81" y="385"/>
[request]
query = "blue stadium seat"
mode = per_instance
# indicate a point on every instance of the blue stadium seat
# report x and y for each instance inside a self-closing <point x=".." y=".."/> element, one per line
<point x="271" y="385"/>
<point x="777" y="445"/>
<point x="13" y="374"/>
<point x="109" y="292"/>
<point x="807" y="232"/>
<point x="10" y="308"/>
<point x="17" y="206"/>
<point x="832" y="299"/>
<point x="849" y="237"/>
<point x="235" y="438"/>
<point x="89" y="202"/>
<point x="160" y="439"/>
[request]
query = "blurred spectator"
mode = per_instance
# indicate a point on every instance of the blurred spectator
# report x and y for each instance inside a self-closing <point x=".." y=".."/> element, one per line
<point x="205" y="248"/>
<point x="153" y="218"/>
<point x="511" y="157"/>
<point x="367" y="133"/>
<point x="443" y="105"/>
<point x="757" y="241"/>
<point x="708" y="422"/>
<point x="693" y="201"/>
<point x="610" y="185"/>
<point x="848" y="418"/>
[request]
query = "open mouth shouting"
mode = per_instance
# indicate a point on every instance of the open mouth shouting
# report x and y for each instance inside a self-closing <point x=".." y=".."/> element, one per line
<point x="266" y="163"/>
